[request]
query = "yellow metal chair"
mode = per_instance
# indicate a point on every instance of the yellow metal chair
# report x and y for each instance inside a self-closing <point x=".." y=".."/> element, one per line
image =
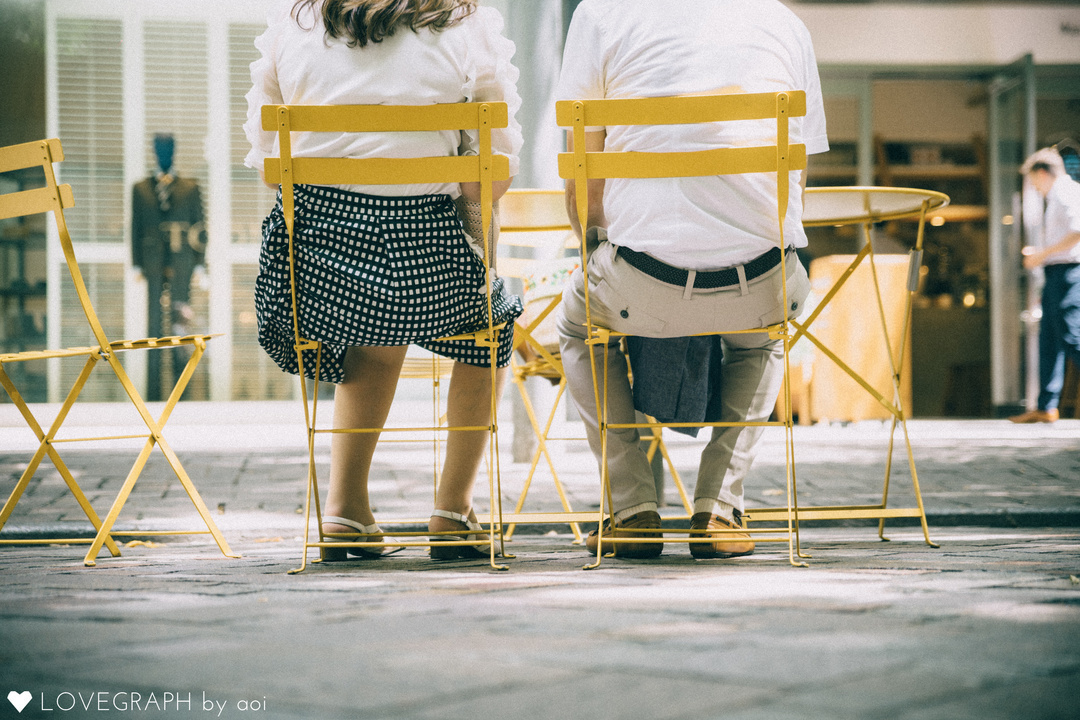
<point x="536" y="222"/>
<point x="55" y="198"/>
<point x="485" y="168"/>
<point x="779" y="158"/>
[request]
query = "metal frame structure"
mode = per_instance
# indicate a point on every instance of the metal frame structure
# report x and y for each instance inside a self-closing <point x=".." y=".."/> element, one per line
<point x="525" y="214"/>
<point x="866" y="206"/>
<point x="55" y="198"/>
<point x="779" y="158"/>
<point x="485" y="168"/>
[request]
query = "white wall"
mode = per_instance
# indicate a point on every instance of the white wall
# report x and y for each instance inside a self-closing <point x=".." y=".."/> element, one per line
<point x="900" y="34"/>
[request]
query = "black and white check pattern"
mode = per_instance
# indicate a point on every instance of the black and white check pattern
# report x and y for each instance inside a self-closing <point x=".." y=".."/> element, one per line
<point x="373" y="270"/>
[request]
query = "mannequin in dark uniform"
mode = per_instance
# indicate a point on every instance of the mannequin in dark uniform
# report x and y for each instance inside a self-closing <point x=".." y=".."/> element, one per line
<point x="168" y="241"/>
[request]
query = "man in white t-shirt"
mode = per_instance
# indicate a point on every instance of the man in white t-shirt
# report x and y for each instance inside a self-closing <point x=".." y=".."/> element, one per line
<point x="1057" y="252"/>
<point x="656" y="275"/>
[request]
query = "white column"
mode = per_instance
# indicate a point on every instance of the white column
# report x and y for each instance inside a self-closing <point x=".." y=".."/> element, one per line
<point x="536" y="27"/>
<point x="54" y="257"/>
<point x="218" y="212"/>
<point x="135" y="288"/>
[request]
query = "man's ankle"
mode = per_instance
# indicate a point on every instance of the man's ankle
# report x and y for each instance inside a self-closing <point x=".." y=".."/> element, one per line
<point x="623" y="515"/>
<point x="715" y="507"/>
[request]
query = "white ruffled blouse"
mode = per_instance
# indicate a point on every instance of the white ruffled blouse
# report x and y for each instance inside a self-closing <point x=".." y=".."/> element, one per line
<point x="300" y="65"/>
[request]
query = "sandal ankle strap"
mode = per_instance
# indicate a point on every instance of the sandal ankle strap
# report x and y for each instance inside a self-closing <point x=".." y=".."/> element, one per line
<point x="372" y="529"/>
<point x="458" y="517"/>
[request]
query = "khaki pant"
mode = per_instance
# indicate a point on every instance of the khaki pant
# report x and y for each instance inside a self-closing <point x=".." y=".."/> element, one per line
<point x="623" y="298"/>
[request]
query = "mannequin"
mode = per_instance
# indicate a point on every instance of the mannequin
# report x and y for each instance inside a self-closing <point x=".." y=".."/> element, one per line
<point x="168" y="242"/>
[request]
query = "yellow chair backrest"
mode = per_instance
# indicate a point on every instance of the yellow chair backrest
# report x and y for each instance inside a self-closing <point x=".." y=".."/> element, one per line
<point x="485" y="167"/>
<point x="533" y="211"/>
<point x="534" y="219"/>
<point x="580" y="165"/>
<point x="50" y="198"/>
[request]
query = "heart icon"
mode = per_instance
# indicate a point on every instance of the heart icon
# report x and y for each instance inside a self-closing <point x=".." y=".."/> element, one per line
<point x="19" y="700"/>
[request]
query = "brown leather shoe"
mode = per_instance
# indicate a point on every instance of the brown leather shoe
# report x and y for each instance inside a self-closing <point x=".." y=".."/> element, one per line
<point x="1036" y="416"/>
<point x="633" y="526"/>
<point x="727" y="545"/>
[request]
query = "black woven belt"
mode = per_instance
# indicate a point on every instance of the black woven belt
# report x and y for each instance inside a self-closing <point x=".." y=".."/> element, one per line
<point x="705" y="280"/>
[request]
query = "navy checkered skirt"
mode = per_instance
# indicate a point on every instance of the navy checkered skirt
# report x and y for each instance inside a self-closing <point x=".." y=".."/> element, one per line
<point x="370" y="271"/>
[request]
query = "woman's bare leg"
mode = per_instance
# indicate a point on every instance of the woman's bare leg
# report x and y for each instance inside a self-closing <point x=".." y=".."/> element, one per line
<point x="469" y="404"/>
<point x="362" y="401"/>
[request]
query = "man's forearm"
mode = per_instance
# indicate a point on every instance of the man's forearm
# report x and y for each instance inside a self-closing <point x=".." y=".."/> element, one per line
<point x="1033" y="257"/>
<point x="595" y="212"/>
<point x="1064" y="245"/>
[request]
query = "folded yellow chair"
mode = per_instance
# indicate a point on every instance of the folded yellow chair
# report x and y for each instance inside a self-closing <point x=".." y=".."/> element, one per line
<point x="53" y="198"/>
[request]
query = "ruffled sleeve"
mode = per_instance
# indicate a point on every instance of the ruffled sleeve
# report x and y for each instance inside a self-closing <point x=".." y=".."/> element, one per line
<point x="264" y="88"/>
<point x="491" y="76"/>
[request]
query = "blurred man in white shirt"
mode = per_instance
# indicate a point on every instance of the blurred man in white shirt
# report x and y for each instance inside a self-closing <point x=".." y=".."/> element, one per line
<point x="1057" y="252"/>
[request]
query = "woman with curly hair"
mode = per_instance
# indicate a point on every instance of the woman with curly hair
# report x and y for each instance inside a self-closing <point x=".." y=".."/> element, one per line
<point x="381" y="267"/>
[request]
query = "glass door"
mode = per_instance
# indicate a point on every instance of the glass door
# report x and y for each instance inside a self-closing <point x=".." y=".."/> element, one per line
<point x="1013" y="320"/>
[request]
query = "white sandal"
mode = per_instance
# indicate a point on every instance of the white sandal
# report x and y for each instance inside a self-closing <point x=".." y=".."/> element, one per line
<point x="452" y="552"/>
<point x="332" y="554"/>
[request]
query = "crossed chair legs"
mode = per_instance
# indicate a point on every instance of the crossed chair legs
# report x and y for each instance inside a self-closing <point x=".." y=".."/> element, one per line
<point x="47" y="447"/>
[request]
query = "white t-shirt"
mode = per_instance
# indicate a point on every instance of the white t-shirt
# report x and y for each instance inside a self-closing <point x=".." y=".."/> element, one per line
<point x="644" y="48"/>
<point x="1062" y="218"/>
<point x="300" y="65"/>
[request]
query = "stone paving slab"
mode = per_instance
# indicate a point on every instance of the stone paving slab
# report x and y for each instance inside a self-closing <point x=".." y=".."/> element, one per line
<point x="982" y="473"/>
<point x="987" y="626"/>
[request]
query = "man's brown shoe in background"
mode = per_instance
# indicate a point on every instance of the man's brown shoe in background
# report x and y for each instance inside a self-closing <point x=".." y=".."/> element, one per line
<point x="639" y="525"/>
<point x="726" y="545"/>
<point x="1035" y="416"/>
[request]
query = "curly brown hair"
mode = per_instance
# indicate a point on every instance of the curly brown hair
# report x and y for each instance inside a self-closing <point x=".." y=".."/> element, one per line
<point x="362" y="21"/>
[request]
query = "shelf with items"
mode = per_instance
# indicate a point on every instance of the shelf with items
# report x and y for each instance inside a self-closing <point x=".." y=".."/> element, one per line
<point x="835" y="167"/>
<point x="953" y="291"/>
<point x="959" y="169"/>
<point x="956" y="261"/>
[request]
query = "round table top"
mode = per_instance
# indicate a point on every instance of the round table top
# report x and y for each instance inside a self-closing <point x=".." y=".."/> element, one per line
<point x="848" y="205"/>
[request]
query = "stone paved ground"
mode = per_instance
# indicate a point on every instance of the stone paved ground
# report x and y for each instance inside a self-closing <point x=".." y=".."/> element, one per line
<point x="987" y="626"/>
<point x="987" y="473"/>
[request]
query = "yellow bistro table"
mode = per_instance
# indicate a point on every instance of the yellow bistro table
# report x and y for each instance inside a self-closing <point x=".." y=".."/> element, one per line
<point x="865" y="206"/>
